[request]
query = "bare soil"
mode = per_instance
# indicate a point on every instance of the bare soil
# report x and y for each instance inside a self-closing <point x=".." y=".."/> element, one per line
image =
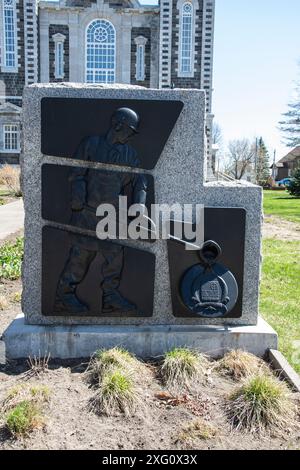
<point x="275" y="227"/>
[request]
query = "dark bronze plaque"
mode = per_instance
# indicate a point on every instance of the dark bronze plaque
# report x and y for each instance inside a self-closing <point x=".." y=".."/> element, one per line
<point x="83" y="276"/>
<point x="71" y="195"/>
<point x="223" y="290"/>
<point x="78" y="127"/>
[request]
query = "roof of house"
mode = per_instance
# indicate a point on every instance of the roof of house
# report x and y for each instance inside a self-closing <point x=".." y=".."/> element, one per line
<point x="291" y="156"/>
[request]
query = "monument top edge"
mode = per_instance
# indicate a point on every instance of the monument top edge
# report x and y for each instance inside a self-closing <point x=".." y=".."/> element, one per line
<point x="106" y="87"/>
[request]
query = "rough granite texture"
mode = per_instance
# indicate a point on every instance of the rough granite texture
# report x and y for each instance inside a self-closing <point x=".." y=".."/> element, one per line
<point x="179" y="178"/>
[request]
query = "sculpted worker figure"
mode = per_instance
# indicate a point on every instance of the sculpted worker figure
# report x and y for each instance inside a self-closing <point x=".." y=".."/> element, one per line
<point x="90" y="188"/>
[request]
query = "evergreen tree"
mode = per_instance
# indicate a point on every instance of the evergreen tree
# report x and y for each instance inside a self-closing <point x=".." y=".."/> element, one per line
<point x="290" y="125"/>
<point x="262" y="163"/>
<point x="294" y="188"/>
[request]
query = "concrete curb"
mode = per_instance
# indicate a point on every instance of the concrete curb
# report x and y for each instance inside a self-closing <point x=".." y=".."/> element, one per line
<point x="280" y="364"/>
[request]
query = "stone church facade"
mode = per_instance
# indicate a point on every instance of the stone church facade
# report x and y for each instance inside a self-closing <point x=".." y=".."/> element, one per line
<point x="100" y="41"/>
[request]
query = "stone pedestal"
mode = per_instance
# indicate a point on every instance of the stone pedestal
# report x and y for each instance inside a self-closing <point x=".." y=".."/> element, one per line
<point x="81" y="341"/>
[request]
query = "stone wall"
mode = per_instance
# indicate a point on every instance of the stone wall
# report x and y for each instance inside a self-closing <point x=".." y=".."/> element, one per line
<point x="14" y="82"/>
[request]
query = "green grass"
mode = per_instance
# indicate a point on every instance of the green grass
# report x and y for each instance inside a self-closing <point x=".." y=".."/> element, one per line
<point x="281" y="204"/>
<point x="11" y="256"/>
<point x="280" y="294"/>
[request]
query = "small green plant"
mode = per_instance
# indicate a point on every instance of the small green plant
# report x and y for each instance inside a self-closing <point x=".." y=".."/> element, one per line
<point x="261" y="403"/>
<point x="11" y="257"/>
<point x="198" y="429"/>
<point x="23" y="408"/>
<point x="117" y="392"/>
<point x="239" y="364"/>
<point x="181" y="366"/>
<point x="23" y="418"/>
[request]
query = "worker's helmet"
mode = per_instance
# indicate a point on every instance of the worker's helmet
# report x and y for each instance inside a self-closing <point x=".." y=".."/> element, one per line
<point x="126" y="116"/>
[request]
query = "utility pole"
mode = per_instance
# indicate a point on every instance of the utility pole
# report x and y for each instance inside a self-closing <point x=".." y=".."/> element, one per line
<point x="255" y="159"/>
<point x="274" y="166"/>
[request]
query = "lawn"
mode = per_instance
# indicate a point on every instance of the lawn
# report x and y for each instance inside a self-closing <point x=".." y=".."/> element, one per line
<point x="281" y="204"/>
<point x="280" y="294"/>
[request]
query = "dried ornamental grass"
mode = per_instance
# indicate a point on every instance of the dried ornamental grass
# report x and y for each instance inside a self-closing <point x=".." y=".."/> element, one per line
<point x="182" y="366"/>
<point x="115" y="375"/>
<point x="198" y="429"/>
<point x="239" y="364"/>
<point x="261" y="403"/>
<point x="117" y="392"/>
<point x="104" y="360"/>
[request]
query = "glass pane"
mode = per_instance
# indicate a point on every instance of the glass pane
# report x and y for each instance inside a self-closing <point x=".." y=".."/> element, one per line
<point x="100" y="48"/>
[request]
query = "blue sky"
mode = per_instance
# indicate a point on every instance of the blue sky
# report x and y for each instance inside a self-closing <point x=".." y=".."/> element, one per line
<point x="257" y="49"/>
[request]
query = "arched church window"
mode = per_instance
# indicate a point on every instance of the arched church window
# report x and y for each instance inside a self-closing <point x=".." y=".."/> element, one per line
<point x="186" y="53"/>
<point x="100" y="52"/>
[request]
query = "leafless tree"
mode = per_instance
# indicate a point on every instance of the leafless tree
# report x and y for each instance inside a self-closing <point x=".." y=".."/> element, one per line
<point x="241" y="155"/>
<point x="217" y="137"/>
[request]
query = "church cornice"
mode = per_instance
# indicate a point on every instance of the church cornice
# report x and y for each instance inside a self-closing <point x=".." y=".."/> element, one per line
<point x="62" y="5"/>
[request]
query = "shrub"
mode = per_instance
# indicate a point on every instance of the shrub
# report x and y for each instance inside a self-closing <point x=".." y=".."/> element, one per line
<point x="10" y="177"/>
<point x="294" y="187"/>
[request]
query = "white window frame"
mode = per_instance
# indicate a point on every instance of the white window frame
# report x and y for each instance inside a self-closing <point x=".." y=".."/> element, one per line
<point x="180" y="5"/>
<point x="59" y="53"/>
<point x="92" y="71"/>
<point x="140" y="65"/>
<point x="7" y="129"/>
<point x="9" y="5"/>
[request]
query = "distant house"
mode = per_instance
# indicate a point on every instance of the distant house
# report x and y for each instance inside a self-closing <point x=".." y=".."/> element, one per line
<point x="285" y="167"/>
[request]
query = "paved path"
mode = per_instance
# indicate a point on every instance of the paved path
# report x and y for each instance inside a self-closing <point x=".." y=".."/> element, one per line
<point x="11" y="218"/>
